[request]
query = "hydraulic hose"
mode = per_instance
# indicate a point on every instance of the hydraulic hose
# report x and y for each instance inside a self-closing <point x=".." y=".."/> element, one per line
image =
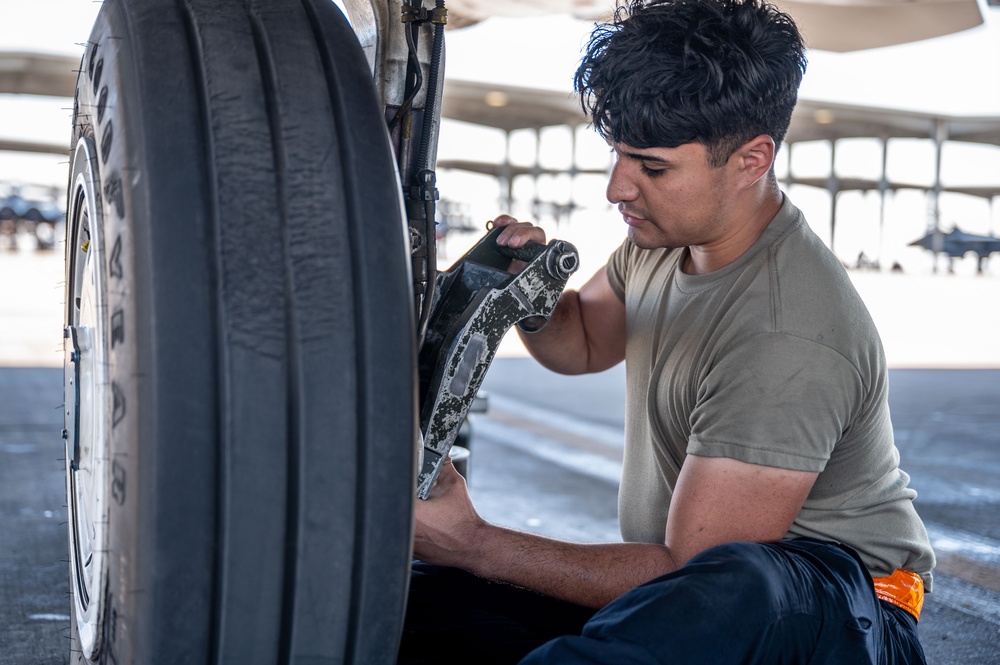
<point x="425" y="179"/>
<point x="430" y="106"/>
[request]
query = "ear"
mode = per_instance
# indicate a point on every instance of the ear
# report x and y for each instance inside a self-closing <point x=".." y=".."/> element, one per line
<point x="754" y="159"/>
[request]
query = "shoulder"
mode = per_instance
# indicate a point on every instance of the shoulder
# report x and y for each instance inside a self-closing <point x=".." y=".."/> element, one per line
<point x="630" y="265"/>
<point x="812" y="296"/>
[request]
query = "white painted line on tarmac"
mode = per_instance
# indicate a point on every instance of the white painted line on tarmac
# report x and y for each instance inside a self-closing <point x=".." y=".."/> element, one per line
<point x="957" y="594"/>
<point x="566" y="456"/>
<point x="969" y="545"/>
<point x="48" y="617"/>
<point x="586" y="429"/>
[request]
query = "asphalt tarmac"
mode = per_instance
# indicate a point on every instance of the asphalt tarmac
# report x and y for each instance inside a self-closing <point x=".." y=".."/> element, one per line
<point x="545" y="458"/>
<point x="34" y="607"/>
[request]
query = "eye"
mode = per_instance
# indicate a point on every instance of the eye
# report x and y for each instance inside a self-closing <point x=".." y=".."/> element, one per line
<point x="652" y="171"/>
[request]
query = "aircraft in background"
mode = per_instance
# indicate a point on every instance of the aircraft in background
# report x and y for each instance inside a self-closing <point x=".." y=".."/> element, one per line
<point x="956" y="243"/>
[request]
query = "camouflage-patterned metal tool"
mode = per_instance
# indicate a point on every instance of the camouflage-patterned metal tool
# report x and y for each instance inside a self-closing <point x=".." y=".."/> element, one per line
<point x="476" y="302"/>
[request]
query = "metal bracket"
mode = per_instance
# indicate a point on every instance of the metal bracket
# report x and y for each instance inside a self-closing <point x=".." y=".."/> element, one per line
<point x="437" y="15"/>
<point x="476" y="303"/>
<point x="71" y="399"/>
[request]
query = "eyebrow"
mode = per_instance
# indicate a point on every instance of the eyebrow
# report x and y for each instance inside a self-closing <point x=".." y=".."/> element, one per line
<point x="645" y="158"/>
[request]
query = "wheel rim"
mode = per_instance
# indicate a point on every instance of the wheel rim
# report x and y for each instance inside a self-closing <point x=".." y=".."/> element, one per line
<point x="88" y="396"/>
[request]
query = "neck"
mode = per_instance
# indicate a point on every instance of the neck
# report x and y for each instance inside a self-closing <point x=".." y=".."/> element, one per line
<point x="741" y="235"/>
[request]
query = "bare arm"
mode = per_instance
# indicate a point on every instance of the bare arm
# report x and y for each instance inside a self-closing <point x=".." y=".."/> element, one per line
<point x="716" y="500"/>
<point x="586" y="332"/>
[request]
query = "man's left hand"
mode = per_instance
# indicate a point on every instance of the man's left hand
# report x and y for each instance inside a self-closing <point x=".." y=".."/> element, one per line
<point x="447" y="522"/>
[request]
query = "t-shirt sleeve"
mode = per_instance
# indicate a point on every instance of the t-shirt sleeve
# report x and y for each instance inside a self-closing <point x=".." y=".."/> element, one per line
<point x="617" y="268"/>
<point x="776" y="400"/>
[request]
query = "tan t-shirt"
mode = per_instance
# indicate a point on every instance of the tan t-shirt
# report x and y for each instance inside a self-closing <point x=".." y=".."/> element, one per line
<point x="772" y="360"/>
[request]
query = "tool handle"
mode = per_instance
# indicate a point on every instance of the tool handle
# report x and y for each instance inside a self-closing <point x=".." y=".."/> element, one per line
<point x="527" y="252"/>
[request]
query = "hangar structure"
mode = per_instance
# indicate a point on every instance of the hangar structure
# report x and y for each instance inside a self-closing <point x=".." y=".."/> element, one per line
<point x="511" y="108"/>
<point x="827" y="121"/>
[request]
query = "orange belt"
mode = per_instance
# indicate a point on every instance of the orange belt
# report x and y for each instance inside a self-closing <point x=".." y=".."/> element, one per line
<point x="903" y="589"/>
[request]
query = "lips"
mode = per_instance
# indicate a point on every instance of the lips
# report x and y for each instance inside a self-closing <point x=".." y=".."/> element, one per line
<point x="631" y="218"/>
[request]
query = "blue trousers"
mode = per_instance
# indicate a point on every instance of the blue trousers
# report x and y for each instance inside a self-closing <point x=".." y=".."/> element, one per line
<point x="801" y="601"/>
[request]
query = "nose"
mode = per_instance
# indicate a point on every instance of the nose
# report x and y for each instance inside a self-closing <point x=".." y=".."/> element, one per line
<point x="621" y="187"/>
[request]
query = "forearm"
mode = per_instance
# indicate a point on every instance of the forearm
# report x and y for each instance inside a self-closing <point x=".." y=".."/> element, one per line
<point x="561" y="345"/>
<point x="585" y="574"/>
<point x="585" y="334"/>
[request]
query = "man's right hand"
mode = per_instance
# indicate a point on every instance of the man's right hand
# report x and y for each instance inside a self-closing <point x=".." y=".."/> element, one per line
<point x="586" y="332"/>
<point x="516" y="234"/>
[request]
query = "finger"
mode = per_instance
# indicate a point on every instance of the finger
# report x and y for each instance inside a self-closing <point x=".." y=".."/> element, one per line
<point x="501" y="220"/>
<point x="516" y="266"/>
<point x="448" y="470"/>
<point x="522" y="234"/>
<point x="445" y="478"/>
<point x="517" y="234"/>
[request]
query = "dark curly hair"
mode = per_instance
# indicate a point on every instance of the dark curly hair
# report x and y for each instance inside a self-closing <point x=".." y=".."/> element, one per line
<point x="667" y="72"/>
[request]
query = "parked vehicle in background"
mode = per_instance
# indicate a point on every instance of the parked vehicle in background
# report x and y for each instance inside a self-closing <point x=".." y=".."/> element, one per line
<point x="30" y="210"/>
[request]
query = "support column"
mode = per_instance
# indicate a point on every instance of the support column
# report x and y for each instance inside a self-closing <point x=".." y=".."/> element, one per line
<point x="993" y="214"/>
<point x="506" y="178"/>
<point x="789" y="179"/>
<point x="573" y="170"/>
<point x="883" y="188"/>
<point x="536" y="170"/>
<point x="939" y="136"/>
<point x="833" y="186"/>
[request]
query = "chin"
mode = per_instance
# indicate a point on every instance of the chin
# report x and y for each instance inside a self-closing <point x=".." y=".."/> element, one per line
<point x="642" y="239"/>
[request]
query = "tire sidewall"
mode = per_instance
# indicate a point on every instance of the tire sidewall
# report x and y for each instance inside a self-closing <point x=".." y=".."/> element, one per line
<point x="101" y="119"/>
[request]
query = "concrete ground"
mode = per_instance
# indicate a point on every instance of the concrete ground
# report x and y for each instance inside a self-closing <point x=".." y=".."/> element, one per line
<point x="546" y="455"/>
<point x="34" y="585"/>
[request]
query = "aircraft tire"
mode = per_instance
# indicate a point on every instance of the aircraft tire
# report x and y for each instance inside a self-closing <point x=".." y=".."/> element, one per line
<point x="240" y="364"/>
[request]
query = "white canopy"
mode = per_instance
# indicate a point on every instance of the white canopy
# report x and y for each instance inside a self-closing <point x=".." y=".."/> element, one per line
<point x="829" y="25"/>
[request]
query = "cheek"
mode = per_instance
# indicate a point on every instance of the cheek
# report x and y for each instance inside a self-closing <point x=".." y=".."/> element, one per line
<point x="669" y="201"/>
<point x="690" y="199"/>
